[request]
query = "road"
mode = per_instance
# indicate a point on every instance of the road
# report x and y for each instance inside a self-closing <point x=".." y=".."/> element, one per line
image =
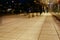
<point x="19" y="27"/>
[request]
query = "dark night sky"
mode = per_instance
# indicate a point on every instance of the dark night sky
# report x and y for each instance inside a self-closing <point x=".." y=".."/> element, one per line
<point x="21" y="1"/>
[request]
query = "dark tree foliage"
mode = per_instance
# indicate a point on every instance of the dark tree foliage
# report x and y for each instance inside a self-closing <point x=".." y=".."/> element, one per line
<point x="17" y="5"/>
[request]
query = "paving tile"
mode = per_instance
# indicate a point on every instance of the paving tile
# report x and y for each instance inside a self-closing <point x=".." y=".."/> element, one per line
<point x="23" y="28"/>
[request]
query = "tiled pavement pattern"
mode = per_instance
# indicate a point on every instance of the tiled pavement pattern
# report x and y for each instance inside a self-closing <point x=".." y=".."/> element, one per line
<point x="19" y="28"/>
<point x="49" y="30"/>
<point x="23" y="28"/>
<point x="57" y="24"/>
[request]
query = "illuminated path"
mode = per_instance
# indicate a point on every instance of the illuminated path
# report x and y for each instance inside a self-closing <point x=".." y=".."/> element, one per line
<point x="17" y="27"/>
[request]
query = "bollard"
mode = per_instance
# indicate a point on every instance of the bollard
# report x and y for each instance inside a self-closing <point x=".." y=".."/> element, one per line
<point x="37" y="14"/>
<point x="32" y="14"/>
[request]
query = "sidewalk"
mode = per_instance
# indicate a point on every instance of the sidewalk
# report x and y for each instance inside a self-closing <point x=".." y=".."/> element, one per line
<point x="49" y="30"/>
<point x="22" y="28"/>
<point x="36" y="28"/>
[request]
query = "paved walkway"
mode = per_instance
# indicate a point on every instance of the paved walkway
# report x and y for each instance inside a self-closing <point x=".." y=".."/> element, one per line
<point x="49" y="30"/>
<point x="23" y="28"/>
<point x="20" y="28"/>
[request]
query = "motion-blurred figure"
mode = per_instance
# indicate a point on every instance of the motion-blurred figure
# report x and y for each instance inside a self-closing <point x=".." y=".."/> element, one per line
<point x="40" y="7"/>
<point x="47" y="9"/>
